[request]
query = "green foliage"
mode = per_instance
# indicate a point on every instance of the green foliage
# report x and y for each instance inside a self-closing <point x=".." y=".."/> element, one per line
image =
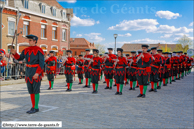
<point x="100" y="47"/>
<point x="183" y="44"/>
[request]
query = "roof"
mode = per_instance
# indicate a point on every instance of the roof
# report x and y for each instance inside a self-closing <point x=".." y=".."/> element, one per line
<point x="82" y="42"/>
<point x="127" y="47"/>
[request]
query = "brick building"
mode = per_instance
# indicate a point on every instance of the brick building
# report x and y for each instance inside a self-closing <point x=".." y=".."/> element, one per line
<point x="128" y="47"/>
<point x="79" y="45"/>
<point x="45" y="18"/>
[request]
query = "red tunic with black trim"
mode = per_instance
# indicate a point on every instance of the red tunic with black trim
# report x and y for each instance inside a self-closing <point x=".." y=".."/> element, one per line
<point x="86" y="63"/>
<point x="167" y="64"/>
<point x="51" y="65"/>
<point x="120" y="67"/>
<point x="143" y="64"/>
<point x="80" y="64"/>
<point x="109" y="64"/>
<point x="133" y="66"/>
<point x="96" y="66"/>
<point x="34" y="57"/>
<point x="3" y="63"/>
<point x="69" y="65"/>
<point x="155" y="65"/>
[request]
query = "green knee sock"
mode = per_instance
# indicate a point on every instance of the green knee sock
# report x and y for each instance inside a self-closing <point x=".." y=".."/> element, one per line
<point x="121" y="87"/>
<point x="144" y="89"/>
<point x="52" y="82"/>
<point x="134" y="84"/>
<point x="155" y="85"/>
<point x="101" y="77"/>
<point x="37" y="96"/>
<point x="160" y="83"/>
<point x="111" y="81"/>
<point x="182" y="74"/>
<point x="166" y="80"/>
<point x="81" y="80"/>
<point x="96" y="87"/>
<point x="127" y="80"/>
<point x="71" y="86"/>
<point x="89" y="81"/>
<point x="174" y="77"/>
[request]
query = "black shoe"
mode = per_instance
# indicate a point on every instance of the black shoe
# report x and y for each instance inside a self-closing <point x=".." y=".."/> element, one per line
<point x="67" y="90"/>
<point x="158" y="87"/>
<point x="70" y="89"/>
<point x="79" y="83"/>
<point x="115" y="85"/>
<point x="170" y="82"/>
<point x="104" y="82"/>
<point x="49" y="88"/>
<point x="32" y="111"/>
<point x="173" y="81"/>
<point x="117" y="93"/>
<point x="164" y="84"/>
<point x="37" y="110"/>
<point x="151" y="90"/>
<point x="127" y="82"/>
<point x="88" y="86"/>
<point x="133" y="88"/>
<point x="137" y="86"/>
<point x="110" y="88"/>
<point x="143" y="96"/>
<point x="85" y="86"/>
<point x="155" y="90"/>
<point x="93" y="92"/>
<point x="29" y="110"/>
<point x="140" y="95"/>
<point x="106" y="87"/>
<point x="120" y="93"/>
<point x="130" y="88"/>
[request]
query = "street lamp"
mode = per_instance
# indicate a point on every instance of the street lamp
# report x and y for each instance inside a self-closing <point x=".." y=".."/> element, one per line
<point x="115" y="36"/>
<point x="2" y="2"/>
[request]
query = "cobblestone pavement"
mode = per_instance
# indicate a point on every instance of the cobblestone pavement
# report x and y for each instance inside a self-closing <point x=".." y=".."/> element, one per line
<point x="170" y="107"/>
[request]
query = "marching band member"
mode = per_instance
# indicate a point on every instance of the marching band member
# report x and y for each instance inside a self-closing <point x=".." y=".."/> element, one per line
<point x="166" y="68"/>
<point x="139" y="52"/>
<point x="87" y="69"/>
<point x="186" y="63"/>
<point x="161" y="70"/>
<point x="95" y="64"/>
<point x="183" y="58"/>
<point x="108" y="70"/>
<point x="34" y="57"/>
<point x="132" y="70"/>
<point x="69" y="62"/>
<point x="80" y="70"/>
<point x="120" y="72"/>
<point x="51" y="68"/>
<point x="155" y="65"/>
<point x="174" y="61"/>
<point x="170" y="71"/>
<point x="143" y="62"/>
<point x="127" y="68"/>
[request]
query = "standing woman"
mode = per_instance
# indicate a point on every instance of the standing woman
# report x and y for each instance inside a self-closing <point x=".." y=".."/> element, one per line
<point x="68" y="63"/>
<point x="120" y="72"/>
<point x="95" y="64"/>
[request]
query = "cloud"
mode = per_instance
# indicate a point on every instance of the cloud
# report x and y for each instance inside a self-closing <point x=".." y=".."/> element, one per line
<point x="147" y="40"/>
<point x="191" y="24"/>
<point x="97" y="22"/>
<point x="170" y="29"/>
<point x="167" y="14"/>
<point x="133" y="25"/>
<point x="79" y="35"/>
<point x="68" y="1"/>
<point x="124" y="35"/>
<point x="94" y="37"/>
<point x="173" y="35"/>
<point x="76" y="21"/>
<point x="84" y="16"/>
<point x="74" y="32"/>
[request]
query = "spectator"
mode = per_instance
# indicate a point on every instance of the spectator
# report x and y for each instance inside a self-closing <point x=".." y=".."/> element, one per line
<point x="9" y="61"/>
<point x="59" y="63"/>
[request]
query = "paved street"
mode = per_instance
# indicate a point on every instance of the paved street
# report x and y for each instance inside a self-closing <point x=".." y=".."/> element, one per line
<point x="170" y="107"/>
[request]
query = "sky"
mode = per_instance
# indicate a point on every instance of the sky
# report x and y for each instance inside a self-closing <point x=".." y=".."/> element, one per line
<point x="134" y="21"/>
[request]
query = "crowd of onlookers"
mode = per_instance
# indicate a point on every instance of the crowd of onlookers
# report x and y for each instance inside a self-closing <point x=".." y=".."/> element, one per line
<point x="15" y="69"/>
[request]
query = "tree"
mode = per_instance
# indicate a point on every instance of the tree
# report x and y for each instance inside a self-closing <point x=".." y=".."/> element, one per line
<point x="163" y="49"/>
<point x="183" y="44"/>
<point x="100" y="47"/>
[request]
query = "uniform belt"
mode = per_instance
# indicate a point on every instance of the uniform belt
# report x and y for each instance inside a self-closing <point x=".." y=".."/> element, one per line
<point x="95" y="69"/>
<point x="155" y="66"/>
<point x="133" y="67"/>
<point x="119" y="67"/>
<point x="80" y="66"/>
<point x="68" y="66"/>
<point x="108" y="66"/>
<point x="141" y="68"/>
<point x="49" y="66"/>
<point x="33" y="65"/>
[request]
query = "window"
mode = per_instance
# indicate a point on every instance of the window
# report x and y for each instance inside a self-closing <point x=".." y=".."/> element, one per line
<point x="6" y="2"/>
<point x="25" y="2"/>
<point x="64" y="35"/>
<point x="43" y="31"/>
<point x="43" y="8"/>
<point x="64" y="15"/>
<point x="11" y="28"/>
<point x="25" y="28"/>
<point x="54" y="32"/>
<point x="75" y="53"/>
<point x="54" y="12"/>
<point x="83" y="53"/>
